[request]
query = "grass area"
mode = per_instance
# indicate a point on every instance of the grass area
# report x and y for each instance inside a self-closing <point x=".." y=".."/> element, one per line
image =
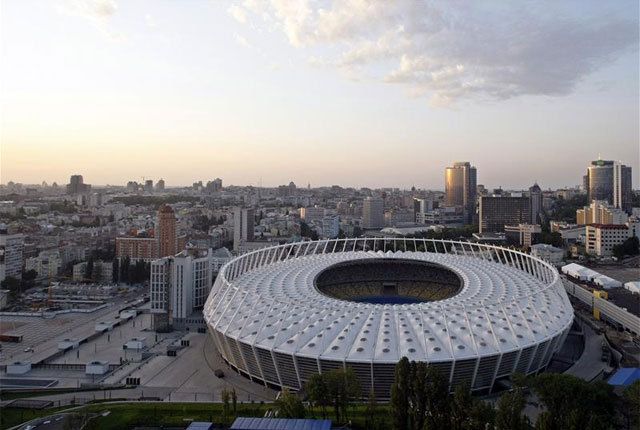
<point x="12" y="395"/>
<point x="130" y="414"/>
<point x="10" y="417"/>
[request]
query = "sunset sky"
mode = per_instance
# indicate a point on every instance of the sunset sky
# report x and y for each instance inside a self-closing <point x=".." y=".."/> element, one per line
<point x="349" y="92"/>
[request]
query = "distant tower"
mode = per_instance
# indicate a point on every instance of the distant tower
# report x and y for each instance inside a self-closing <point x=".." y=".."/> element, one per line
<point x="535" y="203"/>
<point x="160" y="185"/>
<point x="460" y="183"/>
<point x="166" y="232"/>
<point x="243" y="225"/>
<point x="373" y="213"/>
<point x="77" y="185"/>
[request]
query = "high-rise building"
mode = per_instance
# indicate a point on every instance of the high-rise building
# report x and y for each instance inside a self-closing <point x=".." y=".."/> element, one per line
<point x="180" y="284"/>
<point x="498" y="211"/>
<point x="11" y="247"/>
<point x="535" y="196"/>
<point x="243" y="226"/>
<point x="77" y="185"/>
<point x="610" y="181"/>
<point x="148" y="185"/>
<point x="622" y="193"/>
<point x="373" y="213"/>
<point x="460" y="183"/>
<point x="160" y="185"/>
<point x="166" y="232"/>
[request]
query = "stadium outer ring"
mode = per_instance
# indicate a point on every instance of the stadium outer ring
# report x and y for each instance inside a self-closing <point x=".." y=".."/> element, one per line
<point x="282" y="346"/>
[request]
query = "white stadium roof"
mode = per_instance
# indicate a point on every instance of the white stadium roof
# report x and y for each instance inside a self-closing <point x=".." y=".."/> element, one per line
<point x="277" y="307"/>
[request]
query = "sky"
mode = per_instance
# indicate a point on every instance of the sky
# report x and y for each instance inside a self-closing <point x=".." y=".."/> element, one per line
<point x="349" y="92"/>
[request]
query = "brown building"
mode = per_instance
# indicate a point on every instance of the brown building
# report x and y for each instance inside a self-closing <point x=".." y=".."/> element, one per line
<point x="166" y="232"/>
<point x="137" y="248"/>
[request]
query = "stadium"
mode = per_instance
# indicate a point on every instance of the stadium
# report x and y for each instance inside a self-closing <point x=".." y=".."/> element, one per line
<point x="478" y="313"/>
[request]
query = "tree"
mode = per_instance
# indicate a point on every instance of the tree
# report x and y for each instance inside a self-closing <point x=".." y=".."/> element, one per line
<point x="234" y="401"/>
<point x="509" y="411"/>
<point x="96" y="274"/>
<point x="631" y="399"/>
<point x="631" y="246"/>
<point x="370" y="412"/>
<point x="318" y="392"/>
<point x="437" y="399"/>
<point x="289" y="405"/>
<point x="572" y="403"/>
<point x="226" y="396"/>
<point x="482" y="415"/>
<point x="88" y="269"/>
<point x="124" y="270"/>
<point x="13" y="285"/>
<point x="344" y="388"/>
<point x="115" y="270"/>
<point x="418" y="395"/>
<point x="460" y="406"/>
<point x="400" y="394"/>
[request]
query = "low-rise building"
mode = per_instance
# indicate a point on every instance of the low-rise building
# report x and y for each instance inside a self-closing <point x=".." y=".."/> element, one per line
<point x="601" y="238"/>
<point x="47" y="264"/>
<point x="330" y="227"/>
<point x="548" y="253"/>
<point x="523" y="234"/>
<point x="136" y="248"/>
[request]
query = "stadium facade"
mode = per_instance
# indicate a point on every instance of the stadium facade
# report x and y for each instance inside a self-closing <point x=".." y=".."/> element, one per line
<point x="478" y="313"/>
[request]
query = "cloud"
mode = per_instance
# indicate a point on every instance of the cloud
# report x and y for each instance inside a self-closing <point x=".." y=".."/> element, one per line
<point x="451" y="50"/>
<point x="97" y="12"/>
<point x="150" y="21"/>
<point x="240" y="40"/>
<point x="238" y="13"/>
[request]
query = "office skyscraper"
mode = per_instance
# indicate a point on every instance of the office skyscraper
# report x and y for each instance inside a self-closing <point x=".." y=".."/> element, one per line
<point x="166" y="232"/>
<point x="498" y="211"/>
<point x="373" y="213"/>
<point x="460" y="182"/>
<point x="243" y="224"/>
<point x="609" y="181"/>
<point x="535" y="197"/>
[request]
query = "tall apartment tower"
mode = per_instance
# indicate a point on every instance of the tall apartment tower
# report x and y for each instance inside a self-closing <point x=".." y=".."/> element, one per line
<point x="610" y="181"/>
<point x="11" y="248"/>
<point x="373" y="213"/>
<point x="460" y="184"/>
<point x="166" y="232"/>
<point x="535" y="204"/>
<point x="243" y="224"/>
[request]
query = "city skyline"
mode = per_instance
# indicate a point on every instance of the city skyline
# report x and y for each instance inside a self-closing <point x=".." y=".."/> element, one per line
<point x="259" y="92"/>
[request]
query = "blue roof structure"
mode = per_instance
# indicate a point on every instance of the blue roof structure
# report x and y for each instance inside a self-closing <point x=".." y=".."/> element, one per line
<point x="625" y="376"/>
<point x="200" y="425"/>
<point x="279" y="424"/>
